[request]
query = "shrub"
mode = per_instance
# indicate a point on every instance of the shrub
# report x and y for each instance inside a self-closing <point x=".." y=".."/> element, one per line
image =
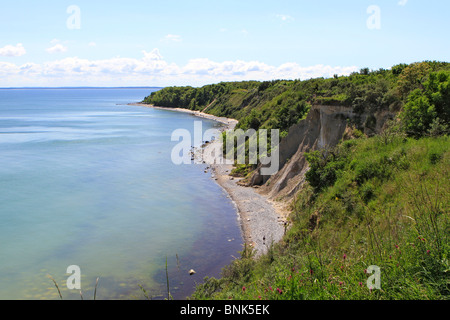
<point x="428" y="109"/>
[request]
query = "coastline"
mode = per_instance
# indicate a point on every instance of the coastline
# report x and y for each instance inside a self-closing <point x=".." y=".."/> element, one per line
<point x="226" y="121"/>
<point x="262" y="221"/>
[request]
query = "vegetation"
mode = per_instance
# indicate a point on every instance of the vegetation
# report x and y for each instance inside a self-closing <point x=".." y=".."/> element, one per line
<point x="428" y="108"/>
<point x="384" y="204"/>
<point x="379" y="200"/>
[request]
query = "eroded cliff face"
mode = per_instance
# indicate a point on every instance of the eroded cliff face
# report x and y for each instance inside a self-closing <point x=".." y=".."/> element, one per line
<point x="323" y="127"/>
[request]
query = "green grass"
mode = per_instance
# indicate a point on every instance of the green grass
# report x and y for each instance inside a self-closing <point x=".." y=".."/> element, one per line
<point x="387" y="205"/>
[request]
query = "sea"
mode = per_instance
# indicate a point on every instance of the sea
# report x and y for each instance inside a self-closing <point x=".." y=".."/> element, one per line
<point x="93" y="207"/>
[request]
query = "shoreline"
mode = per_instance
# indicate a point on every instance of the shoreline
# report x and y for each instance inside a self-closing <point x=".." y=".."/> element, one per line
<point x="226" y="121"/>
<point x="262" y="221"/>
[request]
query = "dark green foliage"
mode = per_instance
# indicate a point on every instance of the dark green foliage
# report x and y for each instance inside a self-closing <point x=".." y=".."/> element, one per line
<point x="425" y="105"/>
<point x="324" y="167"/>
<point x="398" y="69"/>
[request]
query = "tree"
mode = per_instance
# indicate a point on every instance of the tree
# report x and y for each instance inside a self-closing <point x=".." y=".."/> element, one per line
<point x="424" y="106"/>
<point x="364" y="71"/>
<point x="438" y="90"/>
<point x="398" y="69"/>
<point x="411" y="77"/>
<point x="418" y="114"/>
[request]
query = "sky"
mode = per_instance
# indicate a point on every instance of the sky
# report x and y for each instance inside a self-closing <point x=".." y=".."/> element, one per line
<point x="101" y="43"/>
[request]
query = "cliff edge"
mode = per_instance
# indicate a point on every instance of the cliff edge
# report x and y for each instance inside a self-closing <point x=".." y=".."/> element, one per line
<point x="323" y="127"/>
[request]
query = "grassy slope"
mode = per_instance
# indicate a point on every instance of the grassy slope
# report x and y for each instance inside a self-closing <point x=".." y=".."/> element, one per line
<point x="395" y="217"/>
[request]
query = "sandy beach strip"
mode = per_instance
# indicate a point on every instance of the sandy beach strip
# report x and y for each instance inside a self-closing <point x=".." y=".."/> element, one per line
<point x="226" y="121"/>
<point x="262" y="221"/>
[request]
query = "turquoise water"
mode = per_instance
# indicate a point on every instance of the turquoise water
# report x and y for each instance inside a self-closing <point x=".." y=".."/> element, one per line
<point x="87" y="180"/>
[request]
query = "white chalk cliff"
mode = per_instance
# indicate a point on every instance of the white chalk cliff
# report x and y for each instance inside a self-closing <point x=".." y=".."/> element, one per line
<point x="323" y="127"/>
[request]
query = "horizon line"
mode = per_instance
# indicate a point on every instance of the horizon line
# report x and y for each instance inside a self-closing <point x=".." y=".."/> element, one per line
<point x="83" y="87"/>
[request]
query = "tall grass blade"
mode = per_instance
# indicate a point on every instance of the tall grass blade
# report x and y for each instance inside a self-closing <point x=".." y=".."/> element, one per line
<point x="95" y="289"/>
<point x="56" y="285"/>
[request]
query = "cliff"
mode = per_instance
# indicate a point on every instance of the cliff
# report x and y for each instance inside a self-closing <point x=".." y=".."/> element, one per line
<point x="323" y="127"/>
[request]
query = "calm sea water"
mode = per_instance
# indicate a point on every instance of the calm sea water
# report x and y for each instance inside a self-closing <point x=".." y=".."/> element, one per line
<point x="87" y="180"/>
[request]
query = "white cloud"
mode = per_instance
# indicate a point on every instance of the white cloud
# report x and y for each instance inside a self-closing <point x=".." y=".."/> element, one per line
<point x="153" y="70"/>
<point x="92" y="44"/>
<point x="153" y="55"/>
<point x="7" y="68"/>
<point x="402" y="2"/>
<point x="173" y="37"/>
<point x="12" y="51"/>
<point x="57" y="48"/>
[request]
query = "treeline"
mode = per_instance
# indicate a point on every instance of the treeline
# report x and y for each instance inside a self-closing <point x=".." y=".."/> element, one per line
<point x="421" y="90"/>
<point x="256" y="105"/>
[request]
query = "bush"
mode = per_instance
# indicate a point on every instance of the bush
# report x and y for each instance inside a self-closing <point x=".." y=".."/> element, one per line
<point x="367" y="192"/>
<point x="324" y="167"/>
<point x="427" y="110"/>
<point x="418" y="114"/>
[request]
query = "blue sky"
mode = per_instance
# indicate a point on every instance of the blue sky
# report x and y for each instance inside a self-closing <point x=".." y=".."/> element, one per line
<point x="161" y="43"/>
